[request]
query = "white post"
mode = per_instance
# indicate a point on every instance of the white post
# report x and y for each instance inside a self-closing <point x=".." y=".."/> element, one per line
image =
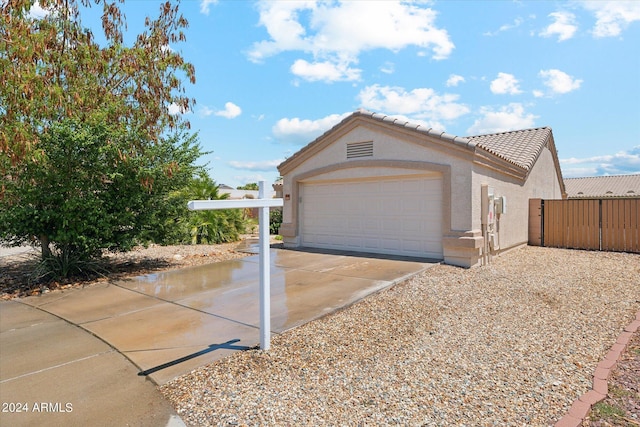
<point x="265" y="274"/>
<point x="263" y="204"/>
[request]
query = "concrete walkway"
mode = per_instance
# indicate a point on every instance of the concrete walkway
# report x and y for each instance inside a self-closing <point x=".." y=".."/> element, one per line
<point x="87" y="354"/>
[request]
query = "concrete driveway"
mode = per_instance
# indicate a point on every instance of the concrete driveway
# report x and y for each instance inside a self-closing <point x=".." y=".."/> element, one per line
<point x="94" y="348"/>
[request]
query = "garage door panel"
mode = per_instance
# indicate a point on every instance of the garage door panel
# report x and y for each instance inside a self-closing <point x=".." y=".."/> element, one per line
<point x="370" y="243"/>
<point x="391" y="244"/>
<point x="390" y="230"/>
<point x="412" y="226"/>
<point x="412" y="246"/>
<point x="413" y="207"/>
<point x="390" y="215"/>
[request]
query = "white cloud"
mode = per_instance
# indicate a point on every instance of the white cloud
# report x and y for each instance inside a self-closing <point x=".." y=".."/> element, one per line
<point x="563" y="26"/>
<point x="205" y="111"/>
<point x="231" y="111"/>
<point x="337" y="32"/>
<point x="205" y="5"/>
<point x="506" y="27"/>
<point x="454" y="80"/>
<point x="505" y="84"/>
<point x="324" y="71"/>
<point x="246" y="179"/>
<point x="388" y="68"/>
<point x="265" y="165"/>
<point x="174" y="109"/>
<point x="506" y="118"/>
<point x="612" y="16"/>
<point x="420" y="103"/>
<point x="558" y="81"/>
<point x="37" y="12"/>
<point x="302" y="131"/>
<point x="623" y="162"/>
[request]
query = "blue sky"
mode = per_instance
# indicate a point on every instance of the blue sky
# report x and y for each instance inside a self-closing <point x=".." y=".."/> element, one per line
<point x="272" y="76"/>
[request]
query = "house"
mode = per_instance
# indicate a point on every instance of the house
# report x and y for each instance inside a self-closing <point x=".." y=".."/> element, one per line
<point x="378" y="184"/>
<point x="603" y="187"/>
<point x="239" y="194"/>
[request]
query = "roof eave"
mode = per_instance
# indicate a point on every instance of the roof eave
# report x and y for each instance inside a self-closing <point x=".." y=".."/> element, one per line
<point x="376" y="118"/>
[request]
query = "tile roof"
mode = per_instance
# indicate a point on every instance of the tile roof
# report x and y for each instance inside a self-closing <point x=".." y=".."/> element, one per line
<point x="459" y="140"/>
<point x="597" y="187"/>
<point x="521" y="147"/>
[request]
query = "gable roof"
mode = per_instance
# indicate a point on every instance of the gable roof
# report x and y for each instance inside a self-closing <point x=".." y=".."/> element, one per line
<point x="599" y="187"/>
<point x="519" y="148"/>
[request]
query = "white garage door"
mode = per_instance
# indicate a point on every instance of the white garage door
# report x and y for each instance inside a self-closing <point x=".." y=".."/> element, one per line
<point x="400" y="216"/>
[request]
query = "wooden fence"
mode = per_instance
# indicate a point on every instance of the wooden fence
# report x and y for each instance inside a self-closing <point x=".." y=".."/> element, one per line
<point x="602" y="224"/>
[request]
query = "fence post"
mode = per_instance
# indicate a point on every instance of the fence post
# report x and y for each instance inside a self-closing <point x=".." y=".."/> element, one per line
<point x="542" y="223"/>
<point x="600" y="224"/>
<point x="535" y="222"/>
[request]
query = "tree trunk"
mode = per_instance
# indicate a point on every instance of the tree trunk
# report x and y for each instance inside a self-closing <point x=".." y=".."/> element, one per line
<point x="44" y="244"/>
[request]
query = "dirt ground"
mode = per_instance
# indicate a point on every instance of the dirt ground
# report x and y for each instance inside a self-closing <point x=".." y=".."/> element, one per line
<point x="622" y="405"/>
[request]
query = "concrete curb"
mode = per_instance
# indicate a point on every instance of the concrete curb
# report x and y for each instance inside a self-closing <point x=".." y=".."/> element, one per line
<point x="582" y="405"/>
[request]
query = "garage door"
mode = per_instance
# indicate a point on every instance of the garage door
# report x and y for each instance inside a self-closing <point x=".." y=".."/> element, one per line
<point x="400" y="216"/>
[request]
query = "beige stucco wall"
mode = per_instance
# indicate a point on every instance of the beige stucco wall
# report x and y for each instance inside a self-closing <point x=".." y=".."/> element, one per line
<point x="387" y="147"/>
<point x="541" y="183"/>
<point x="404" y="153"/>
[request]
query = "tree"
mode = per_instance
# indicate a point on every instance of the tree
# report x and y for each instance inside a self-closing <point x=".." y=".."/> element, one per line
<point x="250" y="186"/>
<point x="91" y="189"/>
<point x="53" y="69"/>
<point x="89" y="149"/>
<point x="212" y="226"/>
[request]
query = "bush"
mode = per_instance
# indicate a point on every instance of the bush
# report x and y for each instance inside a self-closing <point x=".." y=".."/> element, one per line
<point x="214" y="226"/>
<point x="92" y="187"/>
<point x="275" y="220"/>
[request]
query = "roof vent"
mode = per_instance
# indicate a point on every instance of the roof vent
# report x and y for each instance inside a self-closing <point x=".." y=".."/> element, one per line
<point x="359" y="149"/>
<point x="630" y="191"/>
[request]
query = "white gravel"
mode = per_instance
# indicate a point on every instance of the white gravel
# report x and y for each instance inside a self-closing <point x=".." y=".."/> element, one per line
<point x="11" y="251"/>
<point x="510" y="344"/>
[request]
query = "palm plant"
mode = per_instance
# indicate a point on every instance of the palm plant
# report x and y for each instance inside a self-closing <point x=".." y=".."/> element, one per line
<point x="216" y="226"/>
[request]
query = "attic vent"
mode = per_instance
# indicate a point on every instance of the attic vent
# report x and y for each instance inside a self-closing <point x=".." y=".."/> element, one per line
<point x="359" y="149"/>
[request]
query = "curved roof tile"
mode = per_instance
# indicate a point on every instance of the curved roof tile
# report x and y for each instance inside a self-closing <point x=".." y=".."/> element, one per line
<point x="520" y="148"/>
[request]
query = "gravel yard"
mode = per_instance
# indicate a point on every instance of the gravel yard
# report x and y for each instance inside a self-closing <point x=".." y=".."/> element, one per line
<point x="510" y="344"/>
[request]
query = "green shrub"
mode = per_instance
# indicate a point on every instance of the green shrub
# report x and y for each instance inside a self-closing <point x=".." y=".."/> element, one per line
<point x="275" y="220"/>
<point x="92" y="187"/>
<point x="214" y="226"/>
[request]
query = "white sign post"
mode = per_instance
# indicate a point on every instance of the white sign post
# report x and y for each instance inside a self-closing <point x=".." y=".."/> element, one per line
<point x="263" y="204"/>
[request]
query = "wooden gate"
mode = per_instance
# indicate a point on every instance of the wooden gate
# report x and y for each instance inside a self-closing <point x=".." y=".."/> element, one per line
<point x="599" y="224"/>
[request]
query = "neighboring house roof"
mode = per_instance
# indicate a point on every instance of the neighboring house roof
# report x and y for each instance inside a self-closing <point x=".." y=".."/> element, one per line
<point x="519" y="148"/>
<point x="598" y="187"/>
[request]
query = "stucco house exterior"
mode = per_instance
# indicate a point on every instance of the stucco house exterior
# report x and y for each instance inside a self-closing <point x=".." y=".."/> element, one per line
<point x="378" y="184"/>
